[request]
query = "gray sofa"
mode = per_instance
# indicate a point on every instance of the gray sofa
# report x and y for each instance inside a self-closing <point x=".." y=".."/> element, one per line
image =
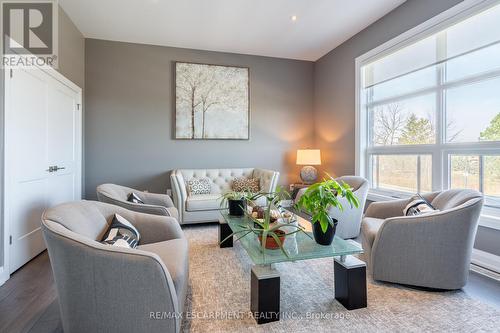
<point x="432" y="250"/>
<point x="154" y="203"/>
<point x="206" y="207"/>
<point x="350" y="219"/>
<point x="105" y="288"/>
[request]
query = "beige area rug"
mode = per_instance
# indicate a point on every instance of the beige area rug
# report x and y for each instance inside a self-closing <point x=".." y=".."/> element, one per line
<point x="219" y="298"/>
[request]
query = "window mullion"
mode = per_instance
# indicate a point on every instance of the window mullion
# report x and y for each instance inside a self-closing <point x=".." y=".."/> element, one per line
<point x="481" y="173"/>
<point x="438" y="171"/>
<point x="419" y="173"/>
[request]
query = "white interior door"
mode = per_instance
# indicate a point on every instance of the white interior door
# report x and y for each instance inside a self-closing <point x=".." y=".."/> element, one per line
<point x="42" y="156"/>
<point x="63" y="144"/>
<point x="26" y="159"/>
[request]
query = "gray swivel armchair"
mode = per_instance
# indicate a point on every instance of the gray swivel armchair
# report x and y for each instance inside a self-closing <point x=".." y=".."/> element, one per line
<point x="350" y="219"/>
<point x="104" y="288"/>
<point x="154" y="203"/>
<point x="433" y="250"/>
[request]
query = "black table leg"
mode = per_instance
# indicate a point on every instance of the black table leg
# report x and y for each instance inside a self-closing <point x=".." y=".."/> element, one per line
<point x="350" y="282"/>
<point x="265" y="294"/>
<point x="224" y="232"/>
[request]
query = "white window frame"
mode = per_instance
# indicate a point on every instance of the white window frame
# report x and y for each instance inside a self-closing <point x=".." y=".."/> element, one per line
<point x="440" y="150"/>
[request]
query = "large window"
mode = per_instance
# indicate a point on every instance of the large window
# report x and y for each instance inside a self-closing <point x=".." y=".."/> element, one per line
<point x="429" y="110"/>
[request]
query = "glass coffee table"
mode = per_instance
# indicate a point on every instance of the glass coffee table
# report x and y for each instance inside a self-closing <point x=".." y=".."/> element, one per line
<point x="350" y="272"/>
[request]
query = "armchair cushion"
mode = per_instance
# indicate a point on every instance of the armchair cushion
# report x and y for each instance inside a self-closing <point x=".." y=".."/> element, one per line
<point x="201" y="202"/>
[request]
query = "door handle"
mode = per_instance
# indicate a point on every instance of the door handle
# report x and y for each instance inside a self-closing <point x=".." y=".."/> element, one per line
<point x="54" y="168"/>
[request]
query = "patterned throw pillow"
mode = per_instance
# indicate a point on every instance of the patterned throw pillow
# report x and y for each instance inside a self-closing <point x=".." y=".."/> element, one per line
<point x="121" y="233"/>
<point x="418" y="206"/>
<point x="132" y="197"/>
<point x="199" y="186"/>
<point x="242" y="184"/>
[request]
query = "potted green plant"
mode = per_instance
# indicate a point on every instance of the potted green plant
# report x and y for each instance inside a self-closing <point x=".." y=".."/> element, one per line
<point x="269" y="230"/>
<point x="317" y="201"/>
<point x="236" y="202"/>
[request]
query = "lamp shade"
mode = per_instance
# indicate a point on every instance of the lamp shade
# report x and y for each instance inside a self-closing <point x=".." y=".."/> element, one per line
<point x="308" y="157"/>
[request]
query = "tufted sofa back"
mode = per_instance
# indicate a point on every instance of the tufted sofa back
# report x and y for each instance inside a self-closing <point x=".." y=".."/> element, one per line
<point x="222" y="178"/>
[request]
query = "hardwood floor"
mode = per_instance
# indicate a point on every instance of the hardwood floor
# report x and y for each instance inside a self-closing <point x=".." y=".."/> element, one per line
<point x="27" y="296"/>
<point x="28" y="301"/>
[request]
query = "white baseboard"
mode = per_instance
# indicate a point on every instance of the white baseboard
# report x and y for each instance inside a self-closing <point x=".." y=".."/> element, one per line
<point x="486" y="260"/>
<point x="3" y="277"/>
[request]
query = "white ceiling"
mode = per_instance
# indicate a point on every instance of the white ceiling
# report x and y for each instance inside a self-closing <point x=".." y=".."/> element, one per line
<point x="258" y="27"/>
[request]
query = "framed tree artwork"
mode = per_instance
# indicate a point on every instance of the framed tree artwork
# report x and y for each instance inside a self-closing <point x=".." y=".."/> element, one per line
<point x="211" y="102"/>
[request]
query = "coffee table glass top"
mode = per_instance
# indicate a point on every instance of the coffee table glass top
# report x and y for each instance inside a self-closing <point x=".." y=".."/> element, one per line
<point x="298" y="246"/>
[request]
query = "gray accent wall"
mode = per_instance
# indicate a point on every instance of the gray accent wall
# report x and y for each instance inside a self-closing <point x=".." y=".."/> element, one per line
<point x="130" y="116"/>
<point x="334" y="100"/>
<point x="71" y="50"/>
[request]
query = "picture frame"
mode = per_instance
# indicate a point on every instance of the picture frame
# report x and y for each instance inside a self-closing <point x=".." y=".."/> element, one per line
<point x="212" y="102"/>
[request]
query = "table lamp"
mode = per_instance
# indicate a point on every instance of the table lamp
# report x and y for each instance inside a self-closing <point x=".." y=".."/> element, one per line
<point x="308" y="158"/>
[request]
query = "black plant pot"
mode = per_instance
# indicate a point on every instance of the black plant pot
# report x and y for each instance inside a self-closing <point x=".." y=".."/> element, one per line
<point x="327" y="237"/>
<point x="237" y="207"/>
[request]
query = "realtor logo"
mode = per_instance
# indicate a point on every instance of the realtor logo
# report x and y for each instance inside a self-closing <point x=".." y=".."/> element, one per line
<point x="29" y="31"/>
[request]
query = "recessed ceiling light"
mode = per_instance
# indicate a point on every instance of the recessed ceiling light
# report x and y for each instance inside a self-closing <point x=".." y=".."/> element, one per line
<point x="293" y="17"/>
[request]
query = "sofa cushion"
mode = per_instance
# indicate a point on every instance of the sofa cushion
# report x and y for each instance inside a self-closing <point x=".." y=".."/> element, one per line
<point x="174" y="254"/>
<point x="203" y="202"/>
<point x="370" y="227"/>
